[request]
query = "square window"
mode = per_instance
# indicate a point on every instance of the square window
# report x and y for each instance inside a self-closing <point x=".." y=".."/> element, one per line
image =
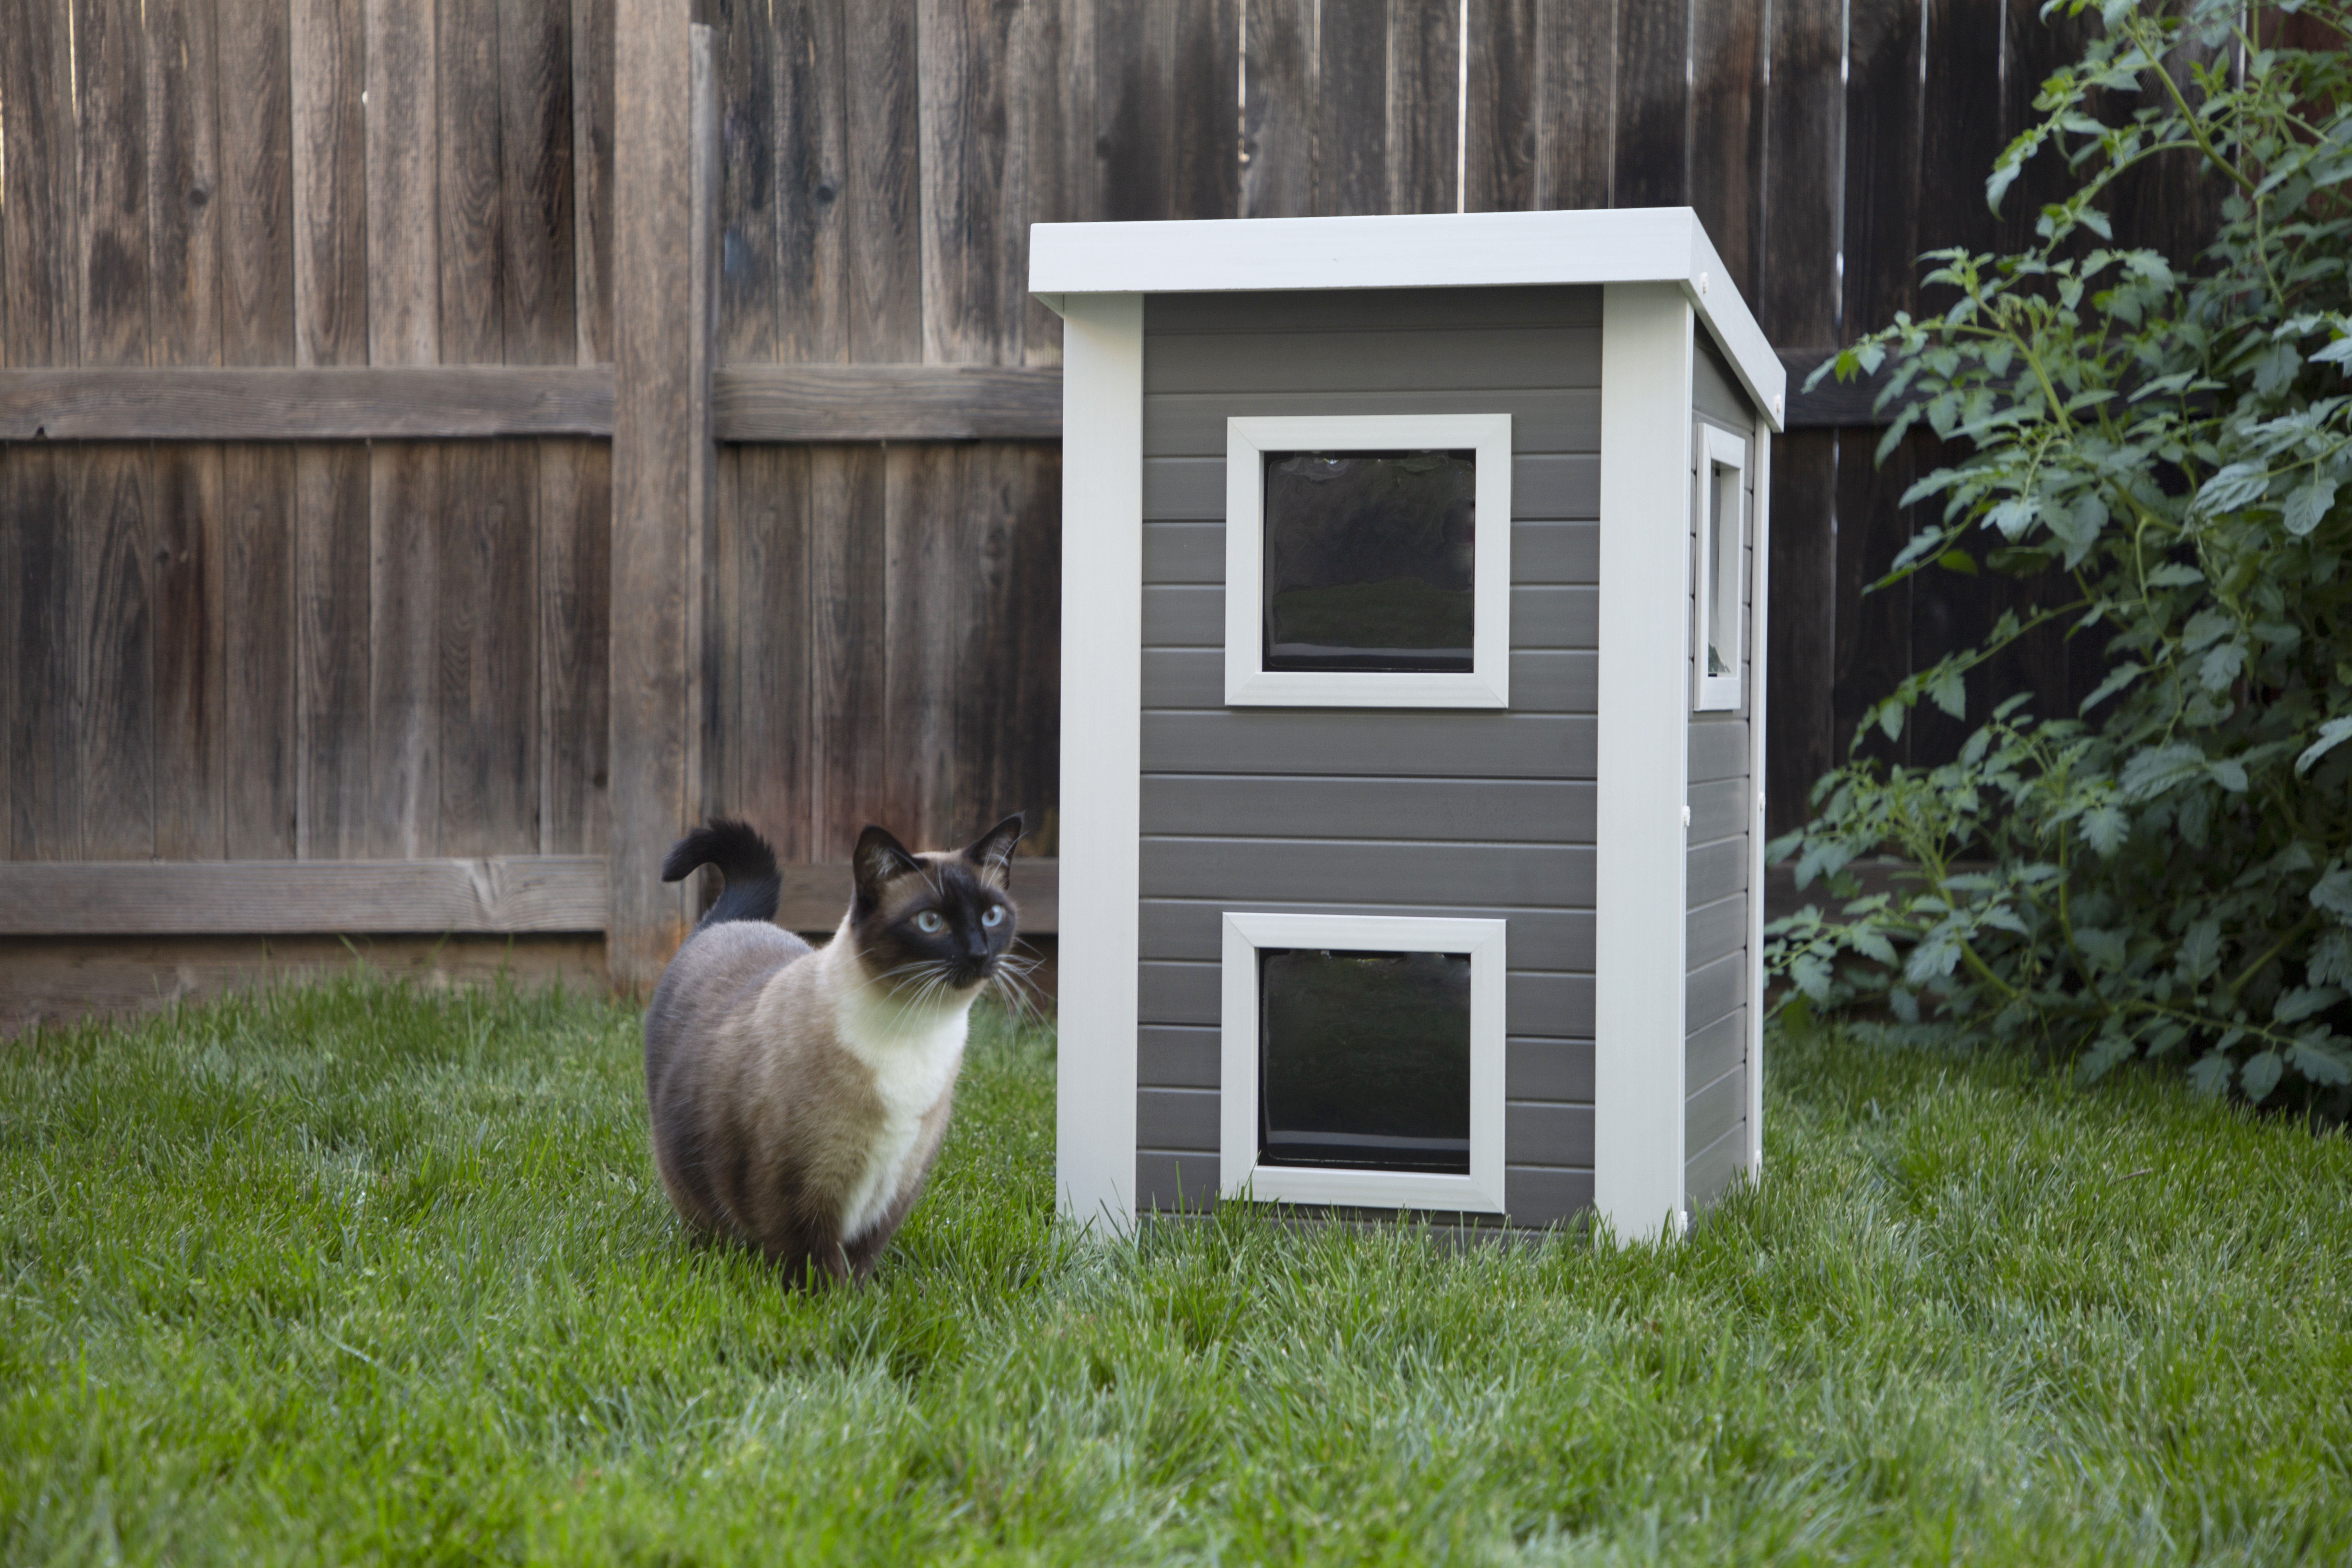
<point x="1362" y="1060"/>
<point x="1356" y="571"/>
<point x="1369" y="558"/>
<point x="1719" y="619"/>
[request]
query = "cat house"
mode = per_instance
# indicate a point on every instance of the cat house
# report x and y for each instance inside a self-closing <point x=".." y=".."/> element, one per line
<point x="1413" y="680"/>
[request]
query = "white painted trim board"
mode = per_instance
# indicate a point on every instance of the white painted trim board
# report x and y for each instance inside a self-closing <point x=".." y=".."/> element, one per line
<point x="1102" y="756"/>
<point x="1646" y="351"/>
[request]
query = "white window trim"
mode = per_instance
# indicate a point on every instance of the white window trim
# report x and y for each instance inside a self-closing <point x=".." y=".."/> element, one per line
<point x="1718" y="448"/>
<point x="1239" y="1174"/>
<point x="1248" y="682"/>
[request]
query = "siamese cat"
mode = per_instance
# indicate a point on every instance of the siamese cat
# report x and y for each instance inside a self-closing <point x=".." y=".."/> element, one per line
<point x="799" y="1095"/>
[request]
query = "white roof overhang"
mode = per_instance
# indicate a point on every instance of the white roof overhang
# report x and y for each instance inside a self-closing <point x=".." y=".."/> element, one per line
<point x="1436" y="250"/>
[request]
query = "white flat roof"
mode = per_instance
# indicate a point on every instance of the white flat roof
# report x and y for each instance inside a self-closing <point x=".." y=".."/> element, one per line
<point x="1434" y="251"/>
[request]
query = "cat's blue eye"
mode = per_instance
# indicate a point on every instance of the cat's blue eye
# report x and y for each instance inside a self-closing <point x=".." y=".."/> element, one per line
<point x="929" y="922"/>
<point x="994" y="917"/>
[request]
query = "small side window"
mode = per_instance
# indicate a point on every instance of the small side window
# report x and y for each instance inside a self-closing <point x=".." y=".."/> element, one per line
<point x="1719" y="623"/>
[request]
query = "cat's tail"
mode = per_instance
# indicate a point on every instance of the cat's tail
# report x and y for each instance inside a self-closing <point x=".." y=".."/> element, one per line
<point x="742" y="857"/>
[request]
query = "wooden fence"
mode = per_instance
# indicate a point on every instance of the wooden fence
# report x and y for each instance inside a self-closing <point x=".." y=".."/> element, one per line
<point x="426" y="447"/>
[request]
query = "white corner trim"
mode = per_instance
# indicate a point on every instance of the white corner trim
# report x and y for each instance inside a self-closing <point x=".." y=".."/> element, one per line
<point x="1248" y="682"/>
<point x="1758" y="627"/>
<point x="1427" y="251"/>
<point x="1102" y="750"/>
<point x="1647" y="350"/>
<point x="1239" y="1174"/>
<point x="1717" y="449"/>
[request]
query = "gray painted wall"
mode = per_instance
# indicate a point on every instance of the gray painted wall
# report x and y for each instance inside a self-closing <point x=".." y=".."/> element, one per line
<point x="1722" y="803"/>
<point x="1461" y="814"/>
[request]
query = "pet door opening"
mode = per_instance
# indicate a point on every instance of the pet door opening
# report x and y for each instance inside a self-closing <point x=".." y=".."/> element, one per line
<point x="1364" y="1060"/>
<point x="1369" y="561"/>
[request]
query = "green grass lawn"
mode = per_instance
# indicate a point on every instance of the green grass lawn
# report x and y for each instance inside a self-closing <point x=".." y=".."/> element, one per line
<point x="353" y="1273"/>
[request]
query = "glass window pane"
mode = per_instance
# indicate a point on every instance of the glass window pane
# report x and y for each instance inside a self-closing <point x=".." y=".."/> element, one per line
<point x="1368" y="559"/>
<point x="1364" y="1060"/>
<point x="1723" y="574"/>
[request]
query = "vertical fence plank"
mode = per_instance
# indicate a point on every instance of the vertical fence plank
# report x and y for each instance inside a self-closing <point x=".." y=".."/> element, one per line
<point x="464" y="182"/>
<point x="766" y="602"/>
<point x="333" y="599"/>
<point x="1009" y="714"/>
<point x="1576" y="98"/>
<point x="259" y="655"/>
<point x="404" y="491"/>
<point x="1277" y="151"/>
<point x="972" y="298"/>
<point x="1132" y="40"/>
<point x="38" y="327"/>
<point x="1203" y="133"/>
<point x="575" y="521"/>
<point x="534" y="95"/>
<point x="592" y="25"/>
<point x="110" y="489"/>
<point x="183" y="176"/>
<point x="1351" y="104"/>
<point x="927" y="618"/>
<point x="814" y="200"/>
<point x="192" y="614"/>
<point x="885" y="263"/>
<point x="1498" y="161"/>
<point x="1727" y="156"/>
<point x="752" y="49"/>
<point x="651" y="617"/>
<point x="330" y="182"/>
<point x="1653" y="105"/>
<point x="1053" y="68"/>
<point x="255" y="194"/>
<point x="486" y="603"/>
<point x="1424" y="107"/>
<point x="848" y="630"/>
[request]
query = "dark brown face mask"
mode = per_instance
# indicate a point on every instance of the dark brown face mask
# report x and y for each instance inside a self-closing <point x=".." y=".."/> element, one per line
<point x="934" y="923"/>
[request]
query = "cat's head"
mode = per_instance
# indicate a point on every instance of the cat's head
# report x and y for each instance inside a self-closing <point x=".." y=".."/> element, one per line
<point x="935" y="926"/>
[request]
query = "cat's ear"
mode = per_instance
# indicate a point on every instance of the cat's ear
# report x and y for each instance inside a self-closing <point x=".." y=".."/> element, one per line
<point x="992" y="850"/>
<point x="878" y="860"/>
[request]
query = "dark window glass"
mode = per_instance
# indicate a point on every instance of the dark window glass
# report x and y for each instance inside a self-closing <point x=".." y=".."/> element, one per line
<point x="1368" y="559"/>
<point x="1364" y="1060"/>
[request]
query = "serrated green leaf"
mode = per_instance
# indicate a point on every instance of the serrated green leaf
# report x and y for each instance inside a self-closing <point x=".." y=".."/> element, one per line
<point x="2321" y="1062"/>
<point x="2302" y="1002"/>
<point x="2213" y="1072"/>
<point x="2332" y="893"/>
<point x="2261" y="1075"/>
<point x="2308" y="505"/>
<point x="2332" y="734"/>
<point x="2229" y="773"/>
<point x="2232" y="488"/>
<point x="2222" y="666"/>
<point x="2173" y="575"/>
<point x="2152" y="773"/>
<point x="2102" y="1057"/>
<point x="2105" y="829"/>
<point x="1948" y="692"/>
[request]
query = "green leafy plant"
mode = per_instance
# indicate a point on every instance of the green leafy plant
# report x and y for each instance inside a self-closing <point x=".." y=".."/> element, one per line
<point x="2168" y="873"/>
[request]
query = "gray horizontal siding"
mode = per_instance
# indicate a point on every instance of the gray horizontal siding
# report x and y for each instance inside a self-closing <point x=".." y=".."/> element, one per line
<point x="1713" y="1110"/>
<point x="1177" y="1057"/>
<point x="1716" y="870"/>
<point x="1710" y="931"/>
<point x="1193" y="616"/>
<point x="1176" y="1118"/>
<point x="1554" y="1007"/>
<point x="1192" y="423"/>
<point x="1719" y="809"/>
<point x="1549" y="939"/>
<point x="1712" y="990"/>
<point x="1708" y="1173"/>
<point x="1560" y="553"/>
<point x="1174" y="1182"/>
<point x="1718" y="750"/>
<point x="1350" y="871"/>
<point x="1185" y="1056"/>
<point x="1543" y="489"/>
<point x="1528" y="811"/>
<point x="1496" y="358"/>
<point x="1371" y="743"/>
<point x="1378" y="310"/>
<point x="1713" y="1050"/>
<point x="1542" y="681"/>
